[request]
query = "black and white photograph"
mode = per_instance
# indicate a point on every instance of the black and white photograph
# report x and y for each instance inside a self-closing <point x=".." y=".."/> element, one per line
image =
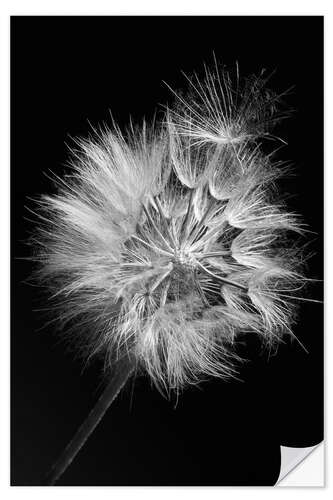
<point x="167" y="275"/>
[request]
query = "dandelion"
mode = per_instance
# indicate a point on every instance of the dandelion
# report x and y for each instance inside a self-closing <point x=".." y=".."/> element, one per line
<point x="225" y="109"/>
<point x="168" y="241"/>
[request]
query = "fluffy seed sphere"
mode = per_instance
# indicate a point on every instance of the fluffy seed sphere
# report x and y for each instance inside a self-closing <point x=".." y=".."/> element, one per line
<point x="168" y="242"/>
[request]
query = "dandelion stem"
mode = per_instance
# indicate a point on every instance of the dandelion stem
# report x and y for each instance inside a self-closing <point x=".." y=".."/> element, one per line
<point x="196" y="230"/>
<point x="213" y="254"/>
<point x="202" y="295"/>
<point x="161" y="278"/>
<point x="223" y="280"/>
<point x="154" y="248"/>
<point x="165" y="222"/>
<point x="149" y="217"/>
<point x="186" y="221"/>
<point x="123" y="370"/>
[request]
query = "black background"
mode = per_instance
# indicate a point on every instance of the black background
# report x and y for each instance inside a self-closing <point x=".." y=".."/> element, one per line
<point x="66" y="71"/>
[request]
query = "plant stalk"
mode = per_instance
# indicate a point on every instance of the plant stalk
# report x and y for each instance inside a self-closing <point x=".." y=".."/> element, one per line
<point x="123" y="370"/>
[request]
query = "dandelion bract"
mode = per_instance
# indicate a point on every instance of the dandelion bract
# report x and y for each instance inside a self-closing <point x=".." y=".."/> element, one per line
<point x="169" y="240"/>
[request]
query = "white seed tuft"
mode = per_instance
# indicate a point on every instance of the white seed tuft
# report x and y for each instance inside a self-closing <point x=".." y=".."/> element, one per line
<point x="168" y="242"/>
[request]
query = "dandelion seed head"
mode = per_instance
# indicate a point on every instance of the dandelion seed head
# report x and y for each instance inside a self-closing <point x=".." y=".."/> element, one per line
<point x="167" y="241"/>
